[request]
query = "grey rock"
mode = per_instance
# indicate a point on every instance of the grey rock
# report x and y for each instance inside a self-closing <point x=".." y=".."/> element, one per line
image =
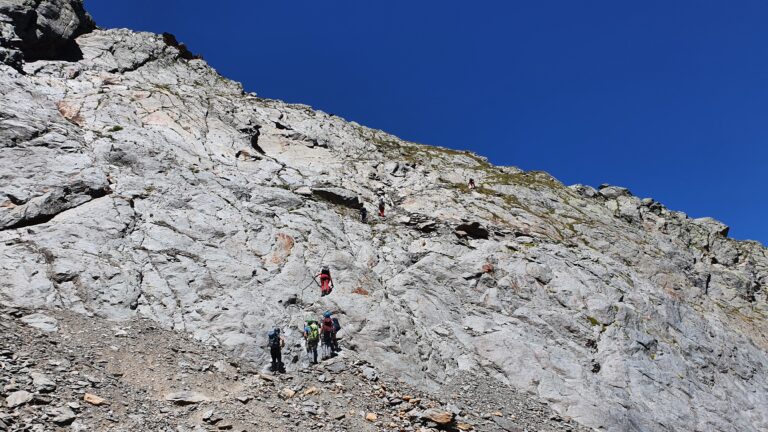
<point x="370" y="374"/>
<point x="584" y="190"/>
<point x="541" y="273"/>
<point x="18" y="398"/>
<point x="41" y="321"/>
<point x="42" y="382"/>
<point x="613" y="192"/>
<point x="63" y="416"/>
<point x="336" y="367"/>
<point x="454" y="409"/>
<point x="186" y="397"/>
<point x="428" y="226"/>
<point x="506" y="424"/>
<point x="211" y="417"/>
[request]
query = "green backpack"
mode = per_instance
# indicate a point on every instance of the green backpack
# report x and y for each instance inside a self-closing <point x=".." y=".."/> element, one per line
<point x="314" y="333"/>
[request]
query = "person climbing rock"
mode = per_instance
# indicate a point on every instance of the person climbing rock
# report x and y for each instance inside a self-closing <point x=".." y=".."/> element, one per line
<point x="471" y="184"/>
<point x="363" y="214"/>
<point x="276" y="344"/>
<point x="311" y="338"/>
<point x="381" y="206"/>
<point x="328" y="334"/>
<point x="326" y="282"/>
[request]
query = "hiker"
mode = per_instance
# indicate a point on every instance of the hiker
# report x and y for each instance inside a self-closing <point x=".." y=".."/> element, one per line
<point x="363" y="214"/>
<point x="326" y="283"/>
<point x="381" y="206"/>
<point x="336" y="329"/>
<point x="328" y="334"/>
<point x="312" y="337"/>
<point x="471" y="184"/>
<point x="276" y="344"/>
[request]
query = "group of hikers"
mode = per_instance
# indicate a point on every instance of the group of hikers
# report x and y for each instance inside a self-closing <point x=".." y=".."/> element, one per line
<point x="323" y="333"/>
<point x="364" y="211"/>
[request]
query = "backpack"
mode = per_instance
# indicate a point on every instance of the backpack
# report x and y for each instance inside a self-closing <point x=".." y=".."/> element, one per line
<point x="328" y="325"/>
<point x="274" y="339"/>
<point x="314" y="333"/>
<point x="336" y="325"/>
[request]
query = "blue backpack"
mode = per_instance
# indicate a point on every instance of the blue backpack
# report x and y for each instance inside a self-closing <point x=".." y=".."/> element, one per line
<point x="274" y="339"/>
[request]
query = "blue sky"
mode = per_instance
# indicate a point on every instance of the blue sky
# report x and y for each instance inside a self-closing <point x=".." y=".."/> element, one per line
<point x="669" y="99"/>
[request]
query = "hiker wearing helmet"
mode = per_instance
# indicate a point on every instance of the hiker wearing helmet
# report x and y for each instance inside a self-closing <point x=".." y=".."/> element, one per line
<point x="276" y="344"/>
<point x="328" y="333"/>
<point x="363" y="214"/>
<point x="471" y="184"/>
<point x="326" y="283"/>
<point x="334" y="323"/>
<point x="312" y="337"/>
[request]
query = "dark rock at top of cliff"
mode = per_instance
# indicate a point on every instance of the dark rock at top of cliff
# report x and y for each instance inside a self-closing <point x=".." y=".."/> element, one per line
<point x="41" y="29"/>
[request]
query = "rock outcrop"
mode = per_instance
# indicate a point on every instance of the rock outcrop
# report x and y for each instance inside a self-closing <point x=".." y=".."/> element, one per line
<point x="41" y="29"/>
<point x="125" y="192"/>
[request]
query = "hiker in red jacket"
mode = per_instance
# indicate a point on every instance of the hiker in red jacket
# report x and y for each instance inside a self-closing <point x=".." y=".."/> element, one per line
<point x="328" y="336"/>
<point x="326" y="283"/>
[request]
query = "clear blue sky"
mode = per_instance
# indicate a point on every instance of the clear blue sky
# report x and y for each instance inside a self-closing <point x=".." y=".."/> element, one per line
<point x="667" y="98"/>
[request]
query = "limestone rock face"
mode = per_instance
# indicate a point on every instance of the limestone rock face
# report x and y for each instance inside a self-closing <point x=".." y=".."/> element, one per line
<point x="137" y="181"/>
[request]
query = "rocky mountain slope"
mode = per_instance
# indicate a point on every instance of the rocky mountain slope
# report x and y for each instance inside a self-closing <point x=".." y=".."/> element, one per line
<point x="66" y="371"/>
<point x="137" y="182"/>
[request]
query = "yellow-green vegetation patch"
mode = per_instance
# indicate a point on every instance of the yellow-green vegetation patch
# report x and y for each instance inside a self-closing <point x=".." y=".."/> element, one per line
<point x="164" y="87"/>
<point x="415" y="152"/>
<point x="531" y="179"/>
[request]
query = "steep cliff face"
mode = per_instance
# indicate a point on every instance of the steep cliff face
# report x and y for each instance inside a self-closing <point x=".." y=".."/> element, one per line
<point x="137" y="181"/>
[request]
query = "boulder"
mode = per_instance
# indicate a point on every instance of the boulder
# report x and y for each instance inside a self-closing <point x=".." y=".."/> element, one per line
<point x="584" y="190"/>
<point x="62" y="416"/>
<point x="540" y="272"/>
<point x="18" y="398"/>
<point x="442" y="418"/>
<point x="42" y="382"/>
<point x="613" y="192"/>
